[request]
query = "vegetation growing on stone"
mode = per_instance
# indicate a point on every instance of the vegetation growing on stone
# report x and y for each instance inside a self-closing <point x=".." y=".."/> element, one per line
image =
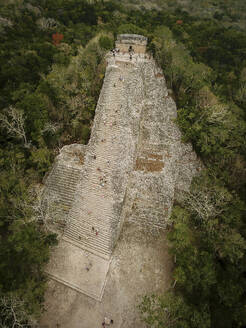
<point x="48" y="93"/>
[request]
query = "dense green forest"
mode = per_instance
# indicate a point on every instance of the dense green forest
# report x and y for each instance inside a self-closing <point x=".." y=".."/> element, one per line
<point x="51" y="72"/>
<point x="229" y="13"/>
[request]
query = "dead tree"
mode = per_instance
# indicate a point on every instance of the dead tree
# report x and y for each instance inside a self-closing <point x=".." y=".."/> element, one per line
<point x="13" y="121"/>
<point x="13" y="313"/>
<point x="49" y="212"/>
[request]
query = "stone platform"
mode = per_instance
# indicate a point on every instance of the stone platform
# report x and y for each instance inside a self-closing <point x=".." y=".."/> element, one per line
<point x="78" y="269"/>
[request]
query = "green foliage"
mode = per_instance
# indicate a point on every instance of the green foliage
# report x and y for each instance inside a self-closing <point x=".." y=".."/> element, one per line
<point x="172" y="311"/>
<point x="195" y="269"/>
<point x="41" y="159"/>
<point x="44" y="110"/>
<point x="24" y="250"/>
<point x="72" y="91"/>
<point x="106" y="42"/>
<point x="215" y="125"/>
<point x="208" y="243"/>
<point x="207" y="239"/>
<point x="184" y="75"/>
<point x="130" y="28"/>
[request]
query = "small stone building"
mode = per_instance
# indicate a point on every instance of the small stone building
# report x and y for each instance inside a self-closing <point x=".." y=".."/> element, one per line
<point x="131" y="42"/>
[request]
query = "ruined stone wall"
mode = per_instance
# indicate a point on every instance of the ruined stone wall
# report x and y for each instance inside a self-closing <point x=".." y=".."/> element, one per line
<point x="138" y="48"/>
<point x="137" y="42"/>
<point x="163" y="165"/>
<point x="62" y="181"/>
<point x="132" y="38"/>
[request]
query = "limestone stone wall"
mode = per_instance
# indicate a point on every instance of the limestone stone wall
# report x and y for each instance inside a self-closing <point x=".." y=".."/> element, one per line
<point x="132" y="38"/>
<point x="124" y="47"/>
<point x="163" y="165"/>
<point x="62" y="181"/>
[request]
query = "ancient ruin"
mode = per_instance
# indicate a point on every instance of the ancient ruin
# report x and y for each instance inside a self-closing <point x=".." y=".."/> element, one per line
<point x="133" y="168"/>
<point x="131" y="42"/>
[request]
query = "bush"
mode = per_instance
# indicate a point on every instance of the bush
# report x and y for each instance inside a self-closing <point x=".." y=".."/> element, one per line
<point x="106" y="43"/>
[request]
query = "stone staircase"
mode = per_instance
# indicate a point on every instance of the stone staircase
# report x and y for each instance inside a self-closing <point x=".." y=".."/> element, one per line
<point x="95" y="215"/>
<point x="60" y="189"/>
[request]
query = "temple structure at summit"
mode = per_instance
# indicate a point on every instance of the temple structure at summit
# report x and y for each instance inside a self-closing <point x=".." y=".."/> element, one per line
<point x="131" y="42"/>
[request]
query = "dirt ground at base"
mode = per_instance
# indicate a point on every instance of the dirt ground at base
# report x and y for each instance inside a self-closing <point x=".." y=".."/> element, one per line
<point x="140" y="265"/>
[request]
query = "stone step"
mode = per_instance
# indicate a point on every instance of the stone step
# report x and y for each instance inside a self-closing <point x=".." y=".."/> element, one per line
<point x="61" y="176"/>
<point x="90" y="247"/>
<point x="86" y="249"/>
<point x="63" y="200"/>
<point x="99" y="197"/>
<point x="61" y="185"/>
<point x="95" y="212"/>
<point x="76" y="215"/>
<point x="105" y="229"/>
<point x="106" y="223"/>
<point x="101" y="192"/>
<point x="104" y="234"/>
<point x="95" y="178"/>
<point x="95" y="244"/>
<point x="68" y="167"/>
<point x="85" y="232"/>
<point x="66" y="177"/>
<point x="66" y="197"/>
<point x="68" y="171"/>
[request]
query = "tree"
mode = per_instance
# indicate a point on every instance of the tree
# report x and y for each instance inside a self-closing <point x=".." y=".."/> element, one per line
<point x="13" y="121"/>
<point x="13" y="313"/>
<point x="75" y="89"/>
<point x="183" y="75"/>
<point x="206" y="201"/>
<point x="57" y="38"/>
<point x="47" y="24"/>
<point x="48" y="212"/>
<point x="172" y="311"/>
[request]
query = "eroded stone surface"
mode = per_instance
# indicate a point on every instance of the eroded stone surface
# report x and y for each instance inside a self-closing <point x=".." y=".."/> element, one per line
<point x="79" y="269"/>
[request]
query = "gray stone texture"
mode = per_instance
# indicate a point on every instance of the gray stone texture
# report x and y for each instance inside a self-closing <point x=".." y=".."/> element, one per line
<point x="131" y="38"/>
